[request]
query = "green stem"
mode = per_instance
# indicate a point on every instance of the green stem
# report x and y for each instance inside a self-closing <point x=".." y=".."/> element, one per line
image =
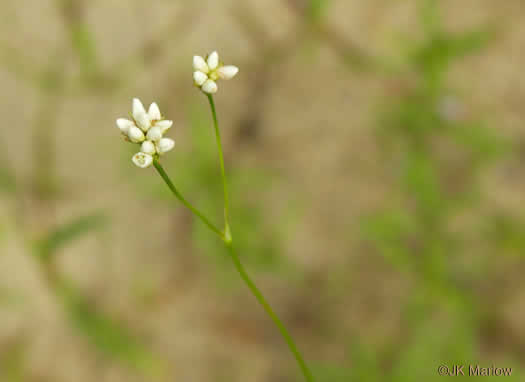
<point x="259" y="296"/>
<point x="178" y="195"/>
<point x="226" y="237"/>
<point x="221" y="160"/>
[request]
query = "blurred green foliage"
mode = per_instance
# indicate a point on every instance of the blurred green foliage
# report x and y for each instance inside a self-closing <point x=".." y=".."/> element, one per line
<point x="66" y="233"/>
<point x="107" y="335"/>
<point x="12" y="367"/>
<point x="110" y="337"/>
<point x="438" y="153"/>
<point x="317" y="9"/>
<point x="7" y="181"/>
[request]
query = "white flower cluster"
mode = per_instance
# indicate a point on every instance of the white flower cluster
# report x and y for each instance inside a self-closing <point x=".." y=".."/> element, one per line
<point x="147" y="128"/>
<point x="207" y="72"/>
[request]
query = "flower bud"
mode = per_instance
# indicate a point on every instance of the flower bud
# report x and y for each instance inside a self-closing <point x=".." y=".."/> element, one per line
<point x="142" y="160"/>
<point x="135" y="134"/>
<point x="154" y="134"/>
<point x="227" y="72"/>
<point x="140" y="116"/>
<point x="124" y="125"/>
<point x="154" y="112"/>
<point x="199" y="78"/>
<point x="148" y="147"/>
<point x="143" y="121"/>
<point x="165" y="145"/>
<point x="164" y="125"/>
<point x="213" y="60"/>
<point x="138" y="108"/>
<point x="200" y="65"/>
<point x="209" y="87"/>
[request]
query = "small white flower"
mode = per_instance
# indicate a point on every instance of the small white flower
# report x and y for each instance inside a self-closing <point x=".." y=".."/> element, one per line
<point x="210" y="87"/>
<point x="140" y="116"/>
<point x="164" y="125"/>
<point x="147" y="129"/>
<point x="207" y="72"/>
<point x="148" y="147"/>
<point x="227" y="72"/>
<point x="142" y="160"/>
<point x="154" y="112"/>
<point x="199" y="64"/>
<point x="213" y="60"/>
<point x="199" y="78"/>
<point x="154" y="134"/>
<point x="137" y="107"/>
<point x="135" y="134"/>
<point x="165" y="145"/>
<point x="124" y="125"/>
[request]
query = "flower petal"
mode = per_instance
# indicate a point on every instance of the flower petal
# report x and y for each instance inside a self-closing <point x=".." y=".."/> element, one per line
<point x="227" y="72"/>
<point x="164" y="125"/>
<point x="140" y="116"/>
<point x="143" y="122"/>
<point x="135" y="134"/>
<point x="200" y="65"/>
<point x="154" y="134"/>
<point x="213" y="60"/>
<point x="209" y="87"/>
<point x="124" y="125"/>
<point x="199" y="78"/>
<point x="165" y="145"/>
<point x="138" y="108"/>
<point x="142" y="160"/>
<point x="148" y="147"/>
<point x="154" y="112"/>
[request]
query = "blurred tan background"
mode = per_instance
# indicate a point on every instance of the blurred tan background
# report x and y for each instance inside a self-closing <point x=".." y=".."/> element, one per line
<point x="374" y="152"/>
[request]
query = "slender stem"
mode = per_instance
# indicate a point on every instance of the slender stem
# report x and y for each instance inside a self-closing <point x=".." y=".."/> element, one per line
<point x="259" y="296"/>
<point x="226" y="237"/>
<point x="221" y="160"/>
<point x="179" y="196"/>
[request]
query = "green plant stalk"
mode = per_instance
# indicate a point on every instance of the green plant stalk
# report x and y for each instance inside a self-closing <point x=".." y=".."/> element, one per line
<point x="238" y="265"/>
<point x="242" y="272"/>
<point x="227" y="232"/>
<point x="179" y="196"/>
<point x="260" y="297"/>
<point x="227" y="239"/>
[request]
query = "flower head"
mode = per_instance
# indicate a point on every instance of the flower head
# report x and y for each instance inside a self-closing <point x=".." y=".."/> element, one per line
<point x="207" y="71"/>
<point x="142" y="160"/>
<point x="146" y="129"/>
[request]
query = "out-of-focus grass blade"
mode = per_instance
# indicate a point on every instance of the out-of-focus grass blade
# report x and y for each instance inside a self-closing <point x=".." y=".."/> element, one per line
<point x="362" y="365"/>
<point x="18" y="64"/>
<point x="484" y="143"/>
<point x="7" y="177"/>
<point x="108" y="336"/>
<point x="12" y="363"/>
<point x="332" y="373"/>
<point x="82" y="41"/>
<point x="472" y="41"/>
<point x="84" y="46"/>
<point x="7" y="181"/>
<point x="9" y="298"/>
<point x="365" y="363"/>
<point x="431" y="16"/>
<point x="437" y="53"/>
<point x="317" y="9"/>
<point x="389" y="231"/>
<point x="69" y="232"/>
<point x="508" y="233"/>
